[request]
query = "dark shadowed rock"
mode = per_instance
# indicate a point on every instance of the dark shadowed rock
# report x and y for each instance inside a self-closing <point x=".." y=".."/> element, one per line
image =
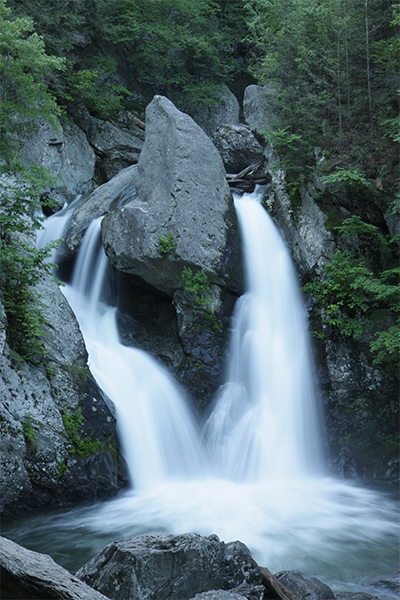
<point x="181" y="191"/>
<point x="237" y="146"/>
<point x="27" y="575"/>
<point x="248" y="592"/>
<point x="160" y="566"/>
<point x="305" y="587"/>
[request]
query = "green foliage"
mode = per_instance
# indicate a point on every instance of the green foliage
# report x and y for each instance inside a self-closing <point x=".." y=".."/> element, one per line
<point x="27" y="426"/>
<point x="25" y="73"/>
<point x="21" y="263"/>
<point x="351" y="177"/>
<point x="61" y="469"/>
<point x="197" y="286"/>
<point x="355" y="300"/>
<point x="166" y="244"/>
<point x="82" y="446"/>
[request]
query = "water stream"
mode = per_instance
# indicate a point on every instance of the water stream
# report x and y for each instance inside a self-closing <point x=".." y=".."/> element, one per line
<point x="255" y="473"/>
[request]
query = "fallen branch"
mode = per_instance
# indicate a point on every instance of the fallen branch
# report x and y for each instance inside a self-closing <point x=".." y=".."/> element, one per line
<point x="137" y="121"/>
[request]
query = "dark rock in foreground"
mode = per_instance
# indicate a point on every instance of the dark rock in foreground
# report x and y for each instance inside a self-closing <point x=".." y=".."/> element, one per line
<point x="167" y="566"/>
<point x="28" y="575"/>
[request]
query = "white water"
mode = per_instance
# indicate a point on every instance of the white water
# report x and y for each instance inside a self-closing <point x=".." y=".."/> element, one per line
<point x="260" y="479"/>
<point x="264" y="425"/>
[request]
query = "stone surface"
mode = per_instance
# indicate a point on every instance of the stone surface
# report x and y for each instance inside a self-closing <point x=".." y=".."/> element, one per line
<point x="237" y="146"/>
<point x="257" y="108"/>
<point x="181" y="188"/>
<point x="28" y="575"/>
<point x="387" y="583"/>
<point x="225" y="111"/>
<point x="159" y="566"/>
<point x="115" y="147"/>
<point x="30" y="474"/>
<point x="65" y="153"/>
<point x="244" y="591"/>
<point x="112" y="194"/>
<point x="305" y="587"/>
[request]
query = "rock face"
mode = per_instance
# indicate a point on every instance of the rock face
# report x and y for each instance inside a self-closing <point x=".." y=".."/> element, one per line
<point x="105" y="198"/>
<point x="115" y="147"/>
<point x="237" y="146"/>
<point x="181" y="189"/>
<point x="224" y="112"/>
<point x="66" y="154"/>
<point x="37" y="466"/>
<point x="257" y="108"/>
<point x="32" y="576"/>
<point x="166" y="566"/>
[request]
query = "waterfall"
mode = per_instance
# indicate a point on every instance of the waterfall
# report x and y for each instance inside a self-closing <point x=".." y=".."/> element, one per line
<point x="260" y="482"/>
<point x="160" y="437"/>
<point x="264" y="423"/>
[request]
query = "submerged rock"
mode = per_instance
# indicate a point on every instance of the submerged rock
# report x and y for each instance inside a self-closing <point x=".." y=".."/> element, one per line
<point x="181" y="193"/>
<point x="161" y="566"/>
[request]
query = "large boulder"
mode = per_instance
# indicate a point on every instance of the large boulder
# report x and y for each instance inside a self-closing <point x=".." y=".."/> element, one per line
<point x="159" y="566"/>
<point x="65" y="153"/>
<point x="181" y="193"/>
<point x="33" y="576"/>
<point x="257" y="107"/>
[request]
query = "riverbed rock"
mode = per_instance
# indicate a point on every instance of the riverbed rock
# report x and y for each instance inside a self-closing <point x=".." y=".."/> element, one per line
<point x="181" y="193"/>
<point x="29" y="575"/>
<point x="389" y="584"/>
<point x="158" y="566"/>
<point x="237" y="146"/>
<point x="304" y="586"/>
<point x="250" y="592"/>
<point x="65" y="153"/>
<point x="38" y="463"/>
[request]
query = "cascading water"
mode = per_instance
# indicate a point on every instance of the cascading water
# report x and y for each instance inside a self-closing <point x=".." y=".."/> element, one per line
<point x="264" y="424"/>
<point x="262" y="482"/>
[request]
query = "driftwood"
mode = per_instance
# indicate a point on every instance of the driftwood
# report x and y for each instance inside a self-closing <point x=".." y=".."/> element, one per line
<point x="274" y="589"/>
<point x="135" y="120"/>
<point x="247" y="179"/>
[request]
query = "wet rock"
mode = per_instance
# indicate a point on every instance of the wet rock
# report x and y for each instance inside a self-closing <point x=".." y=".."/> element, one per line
<point x="158" y="566"/>
<point x="357" y="596"/>
<point x="181" y="192"/>
<point x="387" y="583"/>
<point x="237" y="146"/>
<point x="304" y="586"/>
<point x="28" y="575"/>
<point x="239" y="593"/>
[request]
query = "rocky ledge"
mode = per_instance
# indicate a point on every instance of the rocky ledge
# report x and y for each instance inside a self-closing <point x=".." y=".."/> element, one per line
<point x="161" y="566"/>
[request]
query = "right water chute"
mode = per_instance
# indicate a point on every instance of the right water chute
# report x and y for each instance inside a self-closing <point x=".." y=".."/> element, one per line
<point x="264" y="424"/>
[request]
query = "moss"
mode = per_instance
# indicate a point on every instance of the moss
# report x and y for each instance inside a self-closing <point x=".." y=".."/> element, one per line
<point x="29" y="433"/>
<point x="82" y="446"/>
<point x="61" y="469"/>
